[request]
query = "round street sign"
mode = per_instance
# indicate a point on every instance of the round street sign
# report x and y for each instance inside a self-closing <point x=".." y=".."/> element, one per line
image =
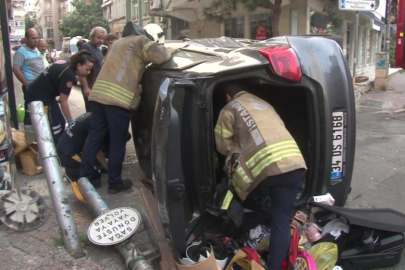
<point x="114" y="226"/>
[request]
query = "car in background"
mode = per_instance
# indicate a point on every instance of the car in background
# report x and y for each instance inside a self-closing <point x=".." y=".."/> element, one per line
<point x="69" y="47"/>
<point x="305" y="78"/>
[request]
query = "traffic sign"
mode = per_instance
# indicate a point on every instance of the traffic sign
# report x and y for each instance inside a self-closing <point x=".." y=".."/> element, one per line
<point x="358" y="5"/>
<point x="114" y="226"/>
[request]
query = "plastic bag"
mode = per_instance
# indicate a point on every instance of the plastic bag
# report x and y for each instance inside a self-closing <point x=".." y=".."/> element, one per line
<point x="325" y="254"/>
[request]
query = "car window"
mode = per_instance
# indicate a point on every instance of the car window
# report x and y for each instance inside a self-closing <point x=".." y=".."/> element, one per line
<point x="181" y="59"/>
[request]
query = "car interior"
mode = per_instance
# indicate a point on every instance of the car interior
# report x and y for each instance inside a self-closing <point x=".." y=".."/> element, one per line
<point x="291" y="103"/>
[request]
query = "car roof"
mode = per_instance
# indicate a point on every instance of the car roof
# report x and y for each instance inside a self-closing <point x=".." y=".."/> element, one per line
<point x="223" y="54"/>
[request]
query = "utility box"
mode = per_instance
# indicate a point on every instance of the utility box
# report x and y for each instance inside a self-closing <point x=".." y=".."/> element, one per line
<point x="381" y="71"/>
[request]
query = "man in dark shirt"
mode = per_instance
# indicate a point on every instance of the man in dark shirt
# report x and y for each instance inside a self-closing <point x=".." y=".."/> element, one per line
<point x="97" y="36"/>
<point x="70" y="147"/>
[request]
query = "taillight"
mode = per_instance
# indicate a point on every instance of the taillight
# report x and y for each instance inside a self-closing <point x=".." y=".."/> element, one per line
<point x="284" y="61"/>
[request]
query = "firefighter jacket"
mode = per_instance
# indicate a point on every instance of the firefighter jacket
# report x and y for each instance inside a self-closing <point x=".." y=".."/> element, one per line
<point x="253" y="137"/>
<point x="118" y="81"/>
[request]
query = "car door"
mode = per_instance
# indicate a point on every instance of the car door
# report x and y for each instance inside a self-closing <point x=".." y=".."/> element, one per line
<point x="173" y="159"/>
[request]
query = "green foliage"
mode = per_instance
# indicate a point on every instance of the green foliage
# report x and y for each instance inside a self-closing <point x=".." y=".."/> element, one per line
<point x="29" y="23"/>
<point x="83" y="19"/>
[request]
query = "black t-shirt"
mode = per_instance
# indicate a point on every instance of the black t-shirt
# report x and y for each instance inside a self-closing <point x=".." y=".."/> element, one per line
<point x="73" y="138"/>
<point x="55" y="79"/>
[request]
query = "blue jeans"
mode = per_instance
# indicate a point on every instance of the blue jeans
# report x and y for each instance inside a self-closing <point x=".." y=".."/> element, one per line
<point x="112" y="119"/>
<point x="283" y="190"/>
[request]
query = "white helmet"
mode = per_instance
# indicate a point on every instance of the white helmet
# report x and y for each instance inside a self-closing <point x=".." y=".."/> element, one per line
<point x="156" y="32"/>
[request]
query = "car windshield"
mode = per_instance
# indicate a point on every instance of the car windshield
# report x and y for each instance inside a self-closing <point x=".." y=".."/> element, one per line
<point x="182" y="58"/>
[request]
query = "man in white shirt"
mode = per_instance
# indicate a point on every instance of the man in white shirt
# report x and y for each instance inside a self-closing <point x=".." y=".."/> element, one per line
<point x="42" y="47"/>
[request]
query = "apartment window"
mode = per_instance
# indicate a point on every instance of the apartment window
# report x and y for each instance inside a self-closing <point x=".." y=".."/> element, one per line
<point x="136" y="10"/>
<point x="235" y="27"/>
<point x="145" y="8"/>
<point x="260" y="26"/>
<point x="49" y="33"/>
<point x="48" y="5"/>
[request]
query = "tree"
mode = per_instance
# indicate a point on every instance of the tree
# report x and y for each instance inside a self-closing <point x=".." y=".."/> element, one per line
<point x="83" y="19"/>
<point x="29" y="23"/>
<point x="219" y="9"/>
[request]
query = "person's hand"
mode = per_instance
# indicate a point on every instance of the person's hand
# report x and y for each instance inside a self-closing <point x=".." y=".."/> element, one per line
<point x="86" y="92"/>
<point x="26" y="85"/>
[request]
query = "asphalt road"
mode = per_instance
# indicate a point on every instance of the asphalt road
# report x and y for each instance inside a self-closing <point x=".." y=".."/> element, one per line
<point x="379" y="171"/>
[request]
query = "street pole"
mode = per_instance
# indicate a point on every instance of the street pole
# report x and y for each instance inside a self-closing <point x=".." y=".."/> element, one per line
<point x="8" y="65"/>
<point x="356" y="46"/>
<point x="133" y="259"/>
<point x="53" y="174"/>
<point x="387" y="44"/>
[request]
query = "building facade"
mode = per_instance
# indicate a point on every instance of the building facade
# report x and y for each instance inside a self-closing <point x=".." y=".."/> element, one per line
<point x="298" y="17"/>
<point x="17" y="21"/>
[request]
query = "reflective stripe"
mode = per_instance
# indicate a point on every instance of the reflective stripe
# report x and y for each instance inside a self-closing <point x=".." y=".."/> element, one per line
<point x="114" y="91"/>
<point x="241" y="178"/>
<point x="273" y="158"/>
<point x="269" y="149"/>
<point x="145" y="49"/>
<point x="223" y="132"/>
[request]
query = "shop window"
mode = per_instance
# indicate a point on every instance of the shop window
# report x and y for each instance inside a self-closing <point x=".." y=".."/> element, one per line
<point x="235" y="27"/>
<point x="260" y="26"/>
<point x="181" y="29"/>
<point x="294" y="21"/>
<point x="369" y="48"/>
<point x="322" y="24"/>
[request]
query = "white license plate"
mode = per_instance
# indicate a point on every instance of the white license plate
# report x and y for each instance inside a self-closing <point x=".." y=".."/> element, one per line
<point x="338" y="133"/>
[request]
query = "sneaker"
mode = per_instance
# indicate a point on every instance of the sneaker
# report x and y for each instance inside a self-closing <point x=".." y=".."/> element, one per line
<point x="121" y="186"/>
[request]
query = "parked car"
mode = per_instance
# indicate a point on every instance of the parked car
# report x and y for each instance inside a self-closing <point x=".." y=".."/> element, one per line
<point x="69" y="47"/>
<point x="305" y="78"/>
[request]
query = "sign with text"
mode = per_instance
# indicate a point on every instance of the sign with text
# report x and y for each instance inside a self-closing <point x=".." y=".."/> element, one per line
<point x="358" y="5"/>
<point x="114" y="226"/>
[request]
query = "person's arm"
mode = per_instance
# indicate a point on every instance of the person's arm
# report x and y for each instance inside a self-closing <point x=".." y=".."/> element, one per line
<point x="63" y="101"/>
<point x="101" y="159"/>
<point x="18" y="61"/>
<point x="224" y="132"/>
<point x="20" y="76"/>
<point x="85" y="85"/>
<point x="156" y="53"/>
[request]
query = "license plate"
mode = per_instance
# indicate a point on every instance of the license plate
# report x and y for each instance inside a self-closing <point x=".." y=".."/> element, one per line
<point x="338" y="147"/>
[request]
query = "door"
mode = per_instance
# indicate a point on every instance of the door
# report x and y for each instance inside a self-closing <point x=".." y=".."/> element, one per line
<point x="171" y="160"/>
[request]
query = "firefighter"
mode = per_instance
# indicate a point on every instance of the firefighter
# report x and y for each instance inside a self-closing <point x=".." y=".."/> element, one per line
<point x="262" y="157"/>
<point x="116" y="95"/>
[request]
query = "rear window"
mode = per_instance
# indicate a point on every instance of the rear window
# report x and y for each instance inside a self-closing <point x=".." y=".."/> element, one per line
<point x="181" y="59"/>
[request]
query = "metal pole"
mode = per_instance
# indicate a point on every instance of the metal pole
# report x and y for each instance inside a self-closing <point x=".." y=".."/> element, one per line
<point x="53" y="176"/>
<point x="8" y="66"/>
<point x="133" y="260"/>
<point x="356" y="46"/>
<point x="387" y="44"/>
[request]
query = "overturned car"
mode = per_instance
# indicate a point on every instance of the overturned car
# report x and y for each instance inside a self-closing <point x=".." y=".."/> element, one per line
<point x="307" y="81"/>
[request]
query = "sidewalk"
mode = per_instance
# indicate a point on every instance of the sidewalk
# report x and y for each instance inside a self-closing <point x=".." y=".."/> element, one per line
<point x="42" y="248"/>
<point x="363" y="88"/>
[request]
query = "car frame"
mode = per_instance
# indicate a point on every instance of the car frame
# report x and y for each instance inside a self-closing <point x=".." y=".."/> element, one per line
<point x="173" y="129"/>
